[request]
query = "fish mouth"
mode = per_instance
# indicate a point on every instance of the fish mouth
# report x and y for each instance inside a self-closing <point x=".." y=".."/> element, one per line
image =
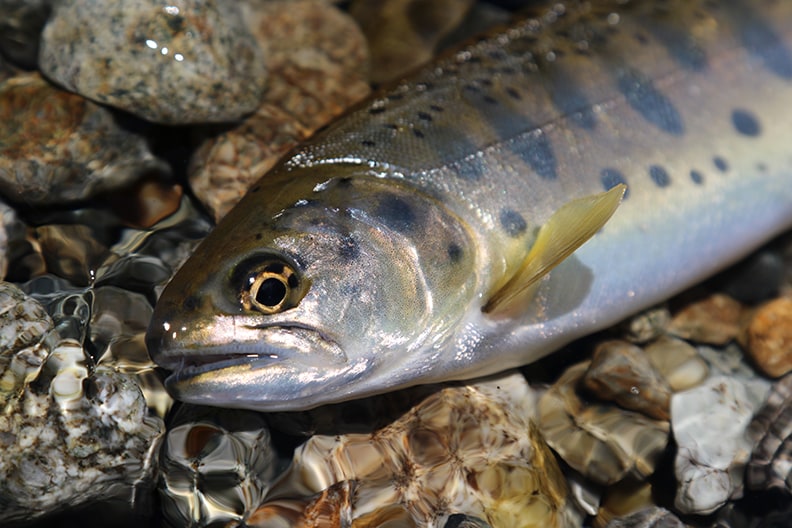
<point x="264" y="367"/>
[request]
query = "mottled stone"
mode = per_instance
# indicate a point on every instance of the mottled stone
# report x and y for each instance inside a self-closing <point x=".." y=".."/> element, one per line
<point x="651" y="517"/>
<point x="713" y="320"/>
<point x="646" y="326"/>
<point x="71" y="251"/>
<point x="678" y="362"/>
<point x="621" y="501"/>
<point x="459" y="520"/>
<point x="57" y="147"/>
<point x="769" y="337"/>
<point x="403" y="34"/>
<point x="146" y="202"/>
<point x="770" y="432"/>
<point x="330" y="507"/>
<point x="21" y="22"/>
<point x="318" y="64"/>
<point x="12" y="234"/>
<point x="72" y="434"/>
<point x="467" y="448"/>
<point x="620" y="372"/>
<point x="191" y="61"/>
<point x="601" y="441"/>
<point x="709" y="424"/>
<point x="216" y="465"/>
<point x="26" y="339"/>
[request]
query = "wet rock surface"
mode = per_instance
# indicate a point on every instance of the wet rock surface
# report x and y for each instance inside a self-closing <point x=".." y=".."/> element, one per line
<point x="72" y="433"/>
<point x="56" y="147"/>
<point x="82" y="432"/>
<point x="191" y="61"/>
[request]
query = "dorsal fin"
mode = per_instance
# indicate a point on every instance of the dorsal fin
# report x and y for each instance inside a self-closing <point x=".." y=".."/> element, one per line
<point x="568" y="229"/>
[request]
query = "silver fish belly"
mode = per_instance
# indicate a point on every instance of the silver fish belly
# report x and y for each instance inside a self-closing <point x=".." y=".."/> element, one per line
<point x="400" y="245"/>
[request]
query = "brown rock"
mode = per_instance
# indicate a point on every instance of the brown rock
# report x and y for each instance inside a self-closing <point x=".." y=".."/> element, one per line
<point x="318" y="63"/>
<point x="621" y="372"/>
<point x="714" y="320"/>
<point x="769" y="337"/>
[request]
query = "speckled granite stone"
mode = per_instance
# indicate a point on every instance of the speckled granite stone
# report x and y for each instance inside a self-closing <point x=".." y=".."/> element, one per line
<point x="56" y="147"/>
<point x="181" y="61"/>
<point x="72" y="433"/>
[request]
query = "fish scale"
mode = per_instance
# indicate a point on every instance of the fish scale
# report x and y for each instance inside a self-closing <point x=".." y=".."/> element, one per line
<point x="403" y="221"/>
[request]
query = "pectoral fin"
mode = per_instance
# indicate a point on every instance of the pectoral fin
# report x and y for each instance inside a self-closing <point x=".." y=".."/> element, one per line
<point x="568" y="229"/>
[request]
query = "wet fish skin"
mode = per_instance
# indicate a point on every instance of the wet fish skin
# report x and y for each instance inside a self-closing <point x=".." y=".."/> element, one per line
<point x="401" y="220"/>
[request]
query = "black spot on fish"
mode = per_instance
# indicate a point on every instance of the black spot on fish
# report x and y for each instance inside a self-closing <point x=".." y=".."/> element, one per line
<point x="647" y="100"/>
<point x="454" y="252"/>
<point x="659" y="176"/>
<point x="191" y="303"/>
<point x="489" y="99"/>
<point x="610" y="178"/>
<point x="761" y="167"/>
<point x="436" y="108"/>
<point x="259" y="236"/>
<point x="349" y="249"/>
<point x="376" y="110"/>
<point x="682" y="46"/>
<point x="424" y="116"/>
<point x="537" y="152"/>
<point x="368" y="143"/>
<point x="396" y="213"/>
<point x="395" y="96"/>
<point x="745" y="123"/>
<point x="513" y="93"/>
<point x="720" y="163"/>
<point x="764" y="43"/>
<point x="512" y="222"/>
<point x="417" y="133"/>
<point x="570" y="100"/>
<point x="696" y="177"/>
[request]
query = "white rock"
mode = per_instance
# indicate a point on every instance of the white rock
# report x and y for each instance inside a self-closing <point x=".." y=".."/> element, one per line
<point x="709" y="424"/>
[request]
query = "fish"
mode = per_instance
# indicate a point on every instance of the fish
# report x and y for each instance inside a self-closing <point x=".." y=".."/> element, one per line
<point x="542" y="183"/>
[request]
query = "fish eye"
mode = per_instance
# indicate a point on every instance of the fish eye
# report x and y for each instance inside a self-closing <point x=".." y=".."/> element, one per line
<point x="270" y="286"/>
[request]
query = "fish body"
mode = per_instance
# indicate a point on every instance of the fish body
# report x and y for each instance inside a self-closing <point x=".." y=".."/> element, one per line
<point x="367" y="259"/>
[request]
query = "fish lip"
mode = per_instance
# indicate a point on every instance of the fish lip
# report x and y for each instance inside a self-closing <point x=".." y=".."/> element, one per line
<point x="171" y="356"/>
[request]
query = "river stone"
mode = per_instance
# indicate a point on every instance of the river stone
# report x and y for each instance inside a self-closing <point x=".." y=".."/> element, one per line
<point x="769" y="337"/>
<point x="318" y="63"/>
<point x="709" y="424"/>
<point x="185" y="61"/>
<point x="56" y="147"/>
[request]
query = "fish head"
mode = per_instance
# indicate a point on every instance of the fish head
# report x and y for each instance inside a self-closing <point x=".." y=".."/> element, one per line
<point x="299" y="301"/>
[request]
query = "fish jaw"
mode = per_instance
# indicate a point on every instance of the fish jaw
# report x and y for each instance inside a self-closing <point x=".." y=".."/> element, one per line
<point x="264" y="385"/>
<point x="235" y="361"/>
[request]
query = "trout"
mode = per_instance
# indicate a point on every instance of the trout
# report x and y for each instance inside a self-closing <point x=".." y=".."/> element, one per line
<point x="543" y="183"/>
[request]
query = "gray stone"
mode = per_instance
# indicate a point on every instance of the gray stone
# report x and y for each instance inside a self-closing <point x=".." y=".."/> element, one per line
<point x="170" y="62"/>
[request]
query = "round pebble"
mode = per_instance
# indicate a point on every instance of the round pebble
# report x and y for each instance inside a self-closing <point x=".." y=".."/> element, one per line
<point x="185" y="61"/>
<point x="713" y="320"/>
<point x="56" y="147"/>
<point x="769" y="337"/>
